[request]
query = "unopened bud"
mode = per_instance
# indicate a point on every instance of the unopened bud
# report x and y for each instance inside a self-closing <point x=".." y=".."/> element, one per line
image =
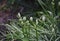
<point x="31" y="18"/>
<point x="24" y="18"/>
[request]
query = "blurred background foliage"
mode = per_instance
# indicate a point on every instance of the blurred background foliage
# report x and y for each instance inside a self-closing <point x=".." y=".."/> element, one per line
<point x="28" y="6"/>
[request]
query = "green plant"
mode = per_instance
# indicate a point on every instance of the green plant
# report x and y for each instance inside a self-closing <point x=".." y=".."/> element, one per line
<point x="41" y="29"/>
<point x="44" y="28"/>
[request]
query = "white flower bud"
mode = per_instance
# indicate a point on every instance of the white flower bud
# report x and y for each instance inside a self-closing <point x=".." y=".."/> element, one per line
<point x="36" y="21"/>
<point x="43" y="18"/>
<point x="24" y="18"/>
<point x="52" y="29"/>
<point x="19" y="15"/>
<point x="31" y="18"/>
<point x="59" y="3"/>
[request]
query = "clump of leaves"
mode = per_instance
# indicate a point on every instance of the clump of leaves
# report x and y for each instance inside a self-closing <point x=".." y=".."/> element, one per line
<point x="40" y="29"/>
<point x="44" y="28"/>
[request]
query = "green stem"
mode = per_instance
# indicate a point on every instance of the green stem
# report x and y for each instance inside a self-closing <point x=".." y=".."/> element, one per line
<point x="36" y="33"/>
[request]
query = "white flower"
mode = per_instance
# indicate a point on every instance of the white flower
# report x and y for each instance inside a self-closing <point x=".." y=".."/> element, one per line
<point x="52" y="29"/>
<point x="43" y="18"/>
<point x="59" y="3"/>
<point x="24" y="18"/>
<point x="36" y="21"/>
<point x="19" y="15"/>
<point x="31" y="18"/>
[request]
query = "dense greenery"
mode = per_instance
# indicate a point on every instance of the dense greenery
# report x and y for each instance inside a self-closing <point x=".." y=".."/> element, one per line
<point x="36" y="20"/>
<point x="41" y="29"/>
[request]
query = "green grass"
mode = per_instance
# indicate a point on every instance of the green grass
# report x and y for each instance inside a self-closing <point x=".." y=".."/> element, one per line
<point x="40" y="29"/>
<point x="44" y="28"/>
